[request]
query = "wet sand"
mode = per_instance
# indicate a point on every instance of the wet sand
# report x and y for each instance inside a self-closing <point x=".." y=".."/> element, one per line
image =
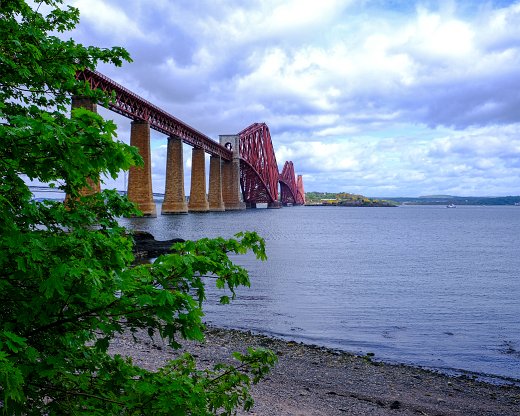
<point x="311" y="380"/>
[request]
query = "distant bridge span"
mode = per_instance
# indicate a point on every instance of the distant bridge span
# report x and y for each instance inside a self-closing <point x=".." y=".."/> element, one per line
<point x="243" y="167"/>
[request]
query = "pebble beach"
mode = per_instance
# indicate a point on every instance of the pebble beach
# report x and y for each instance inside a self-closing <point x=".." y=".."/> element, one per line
<point x="311" y="380"/>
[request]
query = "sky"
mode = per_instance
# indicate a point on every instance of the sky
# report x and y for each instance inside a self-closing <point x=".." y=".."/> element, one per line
<point x="381" y="98"/>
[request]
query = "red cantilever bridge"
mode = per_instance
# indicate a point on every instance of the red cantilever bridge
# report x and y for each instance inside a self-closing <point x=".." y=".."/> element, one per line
<point x="243" y="167"/>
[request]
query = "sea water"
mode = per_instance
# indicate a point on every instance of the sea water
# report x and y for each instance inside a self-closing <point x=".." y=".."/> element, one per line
<point x="421" y="285"/>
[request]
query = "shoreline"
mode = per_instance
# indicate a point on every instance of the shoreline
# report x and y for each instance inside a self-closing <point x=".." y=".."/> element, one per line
<point x="495" y="379"/>
<point x="313" y="380"/>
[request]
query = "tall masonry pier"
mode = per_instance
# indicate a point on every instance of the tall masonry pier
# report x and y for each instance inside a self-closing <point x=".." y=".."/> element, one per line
<point x="224" y="177"/>
<point x="216" y="202"/>
<point x="231" y="192"/>
<point x="174" y="196"/>
<point x="198" y="197"/>
<point x="93" y="184"/>
<point x="140" y="178"/>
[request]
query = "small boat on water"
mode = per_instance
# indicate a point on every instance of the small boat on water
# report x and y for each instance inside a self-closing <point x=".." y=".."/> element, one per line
<point x="451" y="206"/>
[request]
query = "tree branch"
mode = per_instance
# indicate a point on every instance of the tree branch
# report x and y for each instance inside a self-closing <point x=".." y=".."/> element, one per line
<point x="83" y="394"/>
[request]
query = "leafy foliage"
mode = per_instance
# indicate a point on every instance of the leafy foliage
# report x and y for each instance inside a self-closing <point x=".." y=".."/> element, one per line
<point x="68" y="282"/>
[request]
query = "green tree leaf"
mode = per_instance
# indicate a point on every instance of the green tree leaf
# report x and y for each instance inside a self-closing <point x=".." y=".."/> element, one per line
<point x="68" y="281"/>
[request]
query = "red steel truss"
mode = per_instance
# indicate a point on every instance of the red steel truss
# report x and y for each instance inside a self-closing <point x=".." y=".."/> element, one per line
<point x="258" y="168"/>
<point x="300" y="192"/>
<point x="288" y="184"/>
<point x="133" y="106"/>
<point x="259" y="175"/>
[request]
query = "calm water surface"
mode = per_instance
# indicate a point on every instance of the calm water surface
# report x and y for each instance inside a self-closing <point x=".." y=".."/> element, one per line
<point x="422" y="285"/>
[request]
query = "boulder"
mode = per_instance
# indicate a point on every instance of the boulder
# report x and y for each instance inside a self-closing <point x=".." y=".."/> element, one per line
<point x="147" y="247"/>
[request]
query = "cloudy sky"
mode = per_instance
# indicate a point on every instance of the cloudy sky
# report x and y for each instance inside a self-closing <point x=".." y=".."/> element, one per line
<point x="382" y="98"/>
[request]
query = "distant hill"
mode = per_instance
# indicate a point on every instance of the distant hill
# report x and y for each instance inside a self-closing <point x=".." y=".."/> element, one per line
<point x="344" y="199"/>
<point x="458" y="200"/>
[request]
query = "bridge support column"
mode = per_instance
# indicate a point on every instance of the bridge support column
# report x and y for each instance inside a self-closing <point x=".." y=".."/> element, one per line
<point x="231" y="192"/>
<point x="174" y="196"/>
<point x="93" y="184"/>
<point x="216" y="203"/>
<point x="198" y="199"/>
<point x="140" y="178"/>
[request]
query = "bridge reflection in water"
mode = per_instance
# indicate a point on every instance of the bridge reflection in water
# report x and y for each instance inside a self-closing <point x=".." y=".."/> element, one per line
<point x="243" y="169"/>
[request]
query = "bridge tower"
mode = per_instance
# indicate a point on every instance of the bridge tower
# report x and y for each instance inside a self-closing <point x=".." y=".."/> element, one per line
<point x="140" y="178"/>
<point x="198" y="199"/>
<point x="288" y="184"/>
<point x="93" y="184"/>
<point x="215" y="197"/>
<point x="258" y="168"/>
<point x="300" y="192"/>
<point x="231" y="191"/>
<point x="174" y="195"/>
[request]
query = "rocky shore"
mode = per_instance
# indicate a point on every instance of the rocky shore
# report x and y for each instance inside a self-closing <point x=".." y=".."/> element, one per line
<point x="310" y="380"/>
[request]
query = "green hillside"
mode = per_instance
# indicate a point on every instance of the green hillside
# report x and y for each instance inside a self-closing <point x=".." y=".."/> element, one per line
<point x="344" y="199"/>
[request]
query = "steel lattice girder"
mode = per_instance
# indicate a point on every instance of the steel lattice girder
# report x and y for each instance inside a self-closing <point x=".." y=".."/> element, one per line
<point x="259" y="170"/>
<point x="288" y="184"/>
<point x="254" y="188"/>
<point x="131" y="105"/>
<point x="300" y="194"/>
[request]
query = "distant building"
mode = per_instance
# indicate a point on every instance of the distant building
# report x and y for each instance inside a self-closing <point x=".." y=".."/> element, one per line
<point x="329" y="201"/>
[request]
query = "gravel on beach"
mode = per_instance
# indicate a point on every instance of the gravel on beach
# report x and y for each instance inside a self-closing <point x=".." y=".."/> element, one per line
<point x="310" y="380"/>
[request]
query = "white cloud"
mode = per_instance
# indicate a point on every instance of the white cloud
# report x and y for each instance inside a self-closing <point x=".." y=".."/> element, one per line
<point x="442" y="37"/>
<point x="355" y="93"/>
<point x="108" y="19"/>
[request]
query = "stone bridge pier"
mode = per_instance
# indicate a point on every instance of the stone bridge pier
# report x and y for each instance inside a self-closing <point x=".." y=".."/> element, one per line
<point x="93" y="184"/>
<point x="231" y="192"/>
<point x="174" y="196"/>
<point x="224" y="176"/>
<point x="140" y="178"/>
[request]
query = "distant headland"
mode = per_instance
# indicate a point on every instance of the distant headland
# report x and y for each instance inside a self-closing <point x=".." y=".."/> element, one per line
<point x="458" y="200"/>
<point x="353" y="200"/>
<point x="345" y="199"/>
